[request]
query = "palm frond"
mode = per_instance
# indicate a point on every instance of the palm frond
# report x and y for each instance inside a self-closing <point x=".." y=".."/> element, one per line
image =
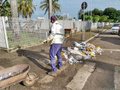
<point x="44" y="5"/>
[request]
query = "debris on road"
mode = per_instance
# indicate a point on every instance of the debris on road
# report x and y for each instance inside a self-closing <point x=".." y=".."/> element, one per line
<point x="81" y="51"/>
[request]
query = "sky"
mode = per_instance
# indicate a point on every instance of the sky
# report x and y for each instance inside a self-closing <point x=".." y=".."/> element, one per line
<point x="71" y="7"/>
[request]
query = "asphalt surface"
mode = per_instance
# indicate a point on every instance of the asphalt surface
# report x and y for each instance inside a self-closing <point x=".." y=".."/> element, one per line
<point x="101" y="79"/>
<point x="103" y="76"/>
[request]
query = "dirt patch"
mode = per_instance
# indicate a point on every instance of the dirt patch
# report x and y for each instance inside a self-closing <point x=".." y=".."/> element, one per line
<point x="63" y="79"/>
<point x="37" y="57"/>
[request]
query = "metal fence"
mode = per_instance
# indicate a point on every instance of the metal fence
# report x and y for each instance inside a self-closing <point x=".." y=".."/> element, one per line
<point x="30" y="33"/>
<point x="33" y="32"/>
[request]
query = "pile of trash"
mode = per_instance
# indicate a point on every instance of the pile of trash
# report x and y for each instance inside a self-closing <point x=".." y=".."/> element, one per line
<point x="81" y="51"/>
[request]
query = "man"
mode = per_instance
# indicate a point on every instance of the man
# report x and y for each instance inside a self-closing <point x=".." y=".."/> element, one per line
<point x="57" y="37"/>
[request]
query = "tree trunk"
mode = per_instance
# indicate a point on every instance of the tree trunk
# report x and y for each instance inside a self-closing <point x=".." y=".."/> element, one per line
<point x="15" y="21"/>
<point x="50" y="9"/>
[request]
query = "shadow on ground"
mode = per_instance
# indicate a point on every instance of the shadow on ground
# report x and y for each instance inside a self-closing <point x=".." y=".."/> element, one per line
<point x="38" y="58"/>
<point x="103" y="65"/>
<point x="115" y="39"/>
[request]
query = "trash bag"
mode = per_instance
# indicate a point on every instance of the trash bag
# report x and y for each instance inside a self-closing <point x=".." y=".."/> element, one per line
<point x="81" y="45"/>
<point x="81" y="51"/>
<point x="99" y="50"/>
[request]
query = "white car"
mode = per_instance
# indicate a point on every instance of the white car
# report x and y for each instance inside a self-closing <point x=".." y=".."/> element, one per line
<point x="115" y="28"/>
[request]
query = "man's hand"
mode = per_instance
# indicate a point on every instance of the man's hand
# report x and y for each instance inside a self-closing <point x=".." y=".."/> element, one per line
<point x="45" y="41"/>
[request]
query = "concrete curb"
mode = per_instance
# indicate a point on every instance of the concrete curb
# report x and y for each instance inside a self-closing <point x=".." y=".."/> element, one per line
<point x="81" y="77"/>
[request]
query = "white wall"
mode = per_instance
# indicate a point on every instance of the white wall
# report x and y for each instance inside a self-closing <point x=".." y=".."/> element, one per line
<point x="70" y="24"/>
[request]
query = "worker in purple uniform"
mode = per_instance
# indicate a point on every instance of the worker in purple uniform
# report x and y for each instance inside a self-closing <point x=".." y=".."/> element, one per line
<point x="57" y="37"/>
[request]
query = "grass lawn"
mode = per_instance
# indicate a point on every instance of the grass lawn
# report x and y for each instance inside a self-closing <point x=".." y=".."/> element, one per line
<point x="25" y="39"/>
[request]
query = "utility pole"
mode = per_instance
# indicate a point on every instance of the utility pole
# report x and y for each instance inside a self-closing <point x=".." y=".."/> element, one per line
<point x="83" y="7"/>
<point x="50" y="14"/>
<point x="83" y="28"/>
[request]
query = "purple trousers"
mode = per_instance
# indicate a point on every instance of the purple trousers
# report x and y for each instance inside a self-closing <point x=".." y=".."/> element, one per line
<point x="55" y="50"/>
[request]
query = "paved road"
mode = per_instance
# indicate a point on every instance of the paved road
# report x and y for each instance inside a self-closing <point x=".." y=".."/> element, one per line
<point x="104" y="77"/>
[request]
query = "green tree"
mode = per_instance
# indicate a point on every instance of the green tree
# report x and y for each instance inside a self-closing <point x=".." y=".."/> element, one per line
<point x="44" y="5"/>
<point x="110" y="20"/>
<point x="1" y="8"/>
<point x="88" y="13"/>
<point x="88" y="18"/>
<point x="25" y="8"/>
<point x="118" y="13"/>
<point x="5" y="8"/>
<point x="96" y="18"/>
<point x="111" y="12"/>
<point x="97" y="12"/>
<point x="118" y="16"/>
<point x="103" y="18"/>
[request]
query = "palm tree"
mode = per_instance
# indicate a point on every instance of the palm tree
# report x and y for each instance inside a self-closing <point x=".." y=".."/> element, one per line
<point x="0" y="7"/>
<point x="14" y="9"/>
<point x="15" y="22"/>
<point x="5" y="8"/>
<point x="25" y="8"/>
<point x="44" y="5"/>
